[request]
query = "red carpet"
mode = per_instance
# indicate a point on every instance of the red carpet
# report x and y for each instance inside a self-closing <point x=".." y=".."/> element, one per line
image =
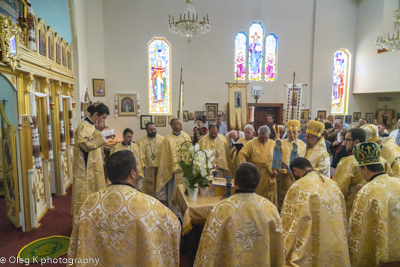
<point x="56" y="222"/>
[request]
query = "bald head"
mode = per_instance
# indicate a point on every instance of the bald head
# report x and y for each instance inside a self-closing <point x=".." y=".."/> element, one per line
<point x="234" y="135"/>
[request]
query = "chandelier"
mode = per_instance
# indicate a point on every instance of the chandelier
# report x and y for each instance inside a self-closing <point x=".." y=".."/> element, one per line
<point x="392" y="42"/>
<point x="189" y="24"/>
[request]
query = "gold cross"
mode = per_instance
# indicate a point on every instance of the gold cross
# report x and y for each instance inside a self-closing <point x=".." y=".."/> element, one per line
<point x="216" y="154"/>
<point x="369" y="149"/>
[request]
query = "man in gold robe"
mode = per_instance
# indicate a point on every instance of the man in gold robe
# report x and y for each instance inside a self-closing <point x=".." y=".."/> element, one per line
<point x="217" y="143"/>
<point x="259" y="151"/>
<point x="389" y="150"/>
<point x="120" y="226"/>
<point x="88" y="170"/>
<point x="348" y="175"/>
<point x="375" y="218"/>
<point x="150" y="150"/>
<point x="285" y="179"/>
<point x="169" y="172"/>
<point x="243" y="230"/>
<point x="316" y="151"/>
<point x="127" y="144"/>
<point x="314" y="220"/>
<point x="248" y="135"/>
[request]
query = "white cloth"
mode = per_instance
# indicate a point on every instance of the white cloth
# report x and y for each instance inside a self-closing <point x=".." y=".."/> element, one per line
<point x="339" y="136"/>
<point x="241" y="135"/>
<point x="394" y="134"/>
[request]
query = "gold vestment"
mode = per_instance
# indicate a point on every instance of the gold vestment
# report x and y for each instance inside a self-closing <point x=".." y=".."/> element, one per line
<point x="221" y="153"/>
<point x="284" y="178"/>
<point x="136" y="152"/>
<point x="391" y="152"/>
<point x="314" y="223"/>
<point x="123" y="227"/>
<point x="375" y="222"/>
<point x="169" y="159"/>
<point x="88" y="178"/>
<point x="261" y="156"/>
<point x="243" y="230"/>
<point x="319" y="158"/>
<point x="148" y="147"/>
<point x="348" y="176"/>
<point x="235" y="153"/>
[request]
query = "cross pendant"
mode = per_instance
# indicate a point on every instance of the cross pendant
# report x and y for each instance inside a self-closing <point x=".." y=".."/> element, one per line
<point x="153" y="157"/>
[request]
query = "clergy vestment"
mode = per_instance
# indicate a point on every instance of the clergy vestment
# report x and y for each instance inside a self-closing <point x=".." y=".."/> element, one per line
<point x="314" y="223"/>
<point x="348" y="176"/>
<point x="150" y="150"/>
<point x="169" y="172"/>
<point x="221" y="153"/>
<point x="319" y="158"/>
<point x="284" y="178"/>
<point x="136" y="152"/>
<point x="243" y="230"/>
<point x="261" y="156"/>
<point x="390" y="151"/>
<point x="88" y="170"/>
<point x="235" y="153"/>
<point x="123" y="227"/>
<point x="375" y="222"/>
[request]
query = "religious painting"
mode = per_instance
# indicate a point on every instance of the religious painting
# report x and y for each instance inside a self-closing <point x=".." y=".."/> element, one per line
<point x="69" y="60"/>
<point x="211" y="111"/>
<point x="13" y="8"/>
<point x="385" y="116"/>
<point x="185" y="115"/>
<point x="304" y="117"/>
<point x="58" y="53"/>
<point x="339" y="117"/>
<point x="160" y="121"/>
<point x="64" y="57"/>
<point x="293" y="99"/>
<point x="144" y="119"/>
<point x="159" y="54"/>
<point x="271" y="54"/>
<point x="99" y="87"/>
<point x="369" y="118"/>
<point x="321" y="115"/>
<point x="51" y="47"/>
<point x="256" y="39"/>
<point x="356" y="116"/>
<point x="199" y="115"/>
<point x="127" y="104"/>
<point x="169" y="119"/>
<point x="238" y="99"/>
<point x="13" y="45"/>
<point x="240" y="56"/>
<point x="191" y="116"/>
<point x="223" y="115"/>
<point x="42" y="43"/>
<point x="347" y="119"/>
<point x="341" y="80"/>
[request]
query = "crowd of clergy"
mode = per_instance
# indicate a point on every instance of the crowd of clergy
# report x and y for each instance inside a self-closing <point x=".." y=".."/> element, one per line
<point x="308" y="212"/>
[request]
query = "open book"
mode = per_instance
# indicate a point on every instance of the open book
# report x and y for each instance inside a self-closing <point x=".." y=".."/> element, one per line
<point x="238" y="145"/>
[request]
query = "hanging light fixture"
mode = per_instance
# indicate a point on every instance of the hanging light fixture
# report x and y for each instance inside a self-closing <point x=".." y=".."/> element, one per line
<point x="189" y="24"/>
<point x="392" y="42"/>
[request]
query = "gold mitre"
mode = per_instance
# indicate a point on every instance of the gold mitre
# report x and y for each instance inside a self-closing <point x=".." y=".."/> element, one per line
<point x="293" y="125"/>
<point x="315" y="128"/>
<point x="367" y="153"/>
<point x="372" y="132"/>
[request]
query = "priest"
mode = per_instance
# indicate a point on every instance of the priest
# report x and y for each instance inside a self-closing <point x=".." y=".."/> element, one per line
<point x="218" y="144"/>
<point x="314" y="219"/>
<point x="259" y="151"/>
<point x="375" y="218"/>
<point x="243" y="230"/>
<point x="150" y="150"/>
<point x="169" y="172"/>
<point x="285" y="178"/>
<point x="316" y="151"/>
<point x="248" y="135"/>
<point x="127" y="144"/>
<point x="120" y="226"/>
<point x="348" y="175"/>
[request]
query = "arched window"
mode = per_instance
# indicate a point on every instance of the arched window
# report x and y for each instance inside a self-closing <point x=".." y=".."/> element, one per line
<point x="271" y="55"/>
<point x="256" y="38"/>
<point x="341" y="80"/>
<point x="159" y="76"/>
<point x="240" y="56"/>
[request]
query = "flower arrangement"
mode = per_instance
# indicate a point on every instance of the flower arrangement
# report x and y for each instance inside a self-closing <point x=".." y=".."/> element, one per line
<point x="197" y="165"/>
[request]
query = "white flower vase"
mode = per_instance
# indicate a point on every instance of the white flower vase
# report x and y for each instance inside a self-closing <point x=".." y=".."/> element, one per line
<point x="192" y="192"/>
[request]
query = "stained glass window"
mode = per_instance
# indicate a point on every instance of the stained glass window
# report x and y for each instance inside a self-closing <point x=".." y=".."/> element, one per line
<point x="340" y="84"/>
<point x="271" y="53"/>
<point x="159" y="76"/>
<point x="256" y="38"/>
<point x="240" y="56"/>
